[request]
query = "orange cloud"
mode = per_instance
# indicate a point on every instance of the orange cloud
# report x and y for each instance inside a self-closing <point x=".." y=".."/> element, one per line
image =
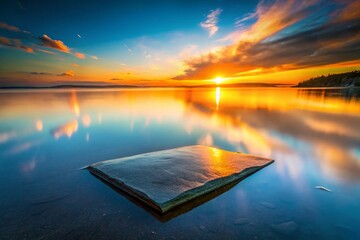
<point x="80" y="55"/>
<point x="262" y="49"/>
<point x="69" y="73"/>
<point x="271" y="19"/>
<point x="15" y="43"/>
<point x="56" y="44"/>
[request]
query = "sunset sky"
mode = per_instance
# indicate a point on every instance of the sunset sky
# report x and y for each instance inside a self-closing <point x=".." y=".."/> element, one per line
<point x="46" y="43"/>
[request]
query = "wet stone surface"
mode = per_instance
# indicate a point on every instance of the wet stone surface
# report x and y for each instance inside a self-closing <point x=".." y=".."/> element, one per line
<point x="166" y="179"/>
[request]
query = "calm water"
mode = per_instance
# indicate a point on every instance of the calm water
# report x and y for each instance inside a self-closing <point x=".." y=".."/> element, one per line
<point x="313" y="135"/>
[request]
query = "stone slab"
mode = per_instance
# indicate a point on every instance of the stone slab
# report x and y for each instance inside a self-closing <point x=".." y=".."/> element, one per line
<point x="169" y="178"/>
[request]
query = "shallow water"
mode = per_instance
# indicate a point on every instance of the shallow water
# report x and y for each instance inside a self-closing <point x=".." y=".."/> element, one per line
<point x="313" y="135"/>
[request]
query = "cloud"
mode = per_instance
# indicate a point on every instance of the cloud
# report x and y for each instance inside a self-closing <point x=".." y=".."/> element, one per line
<point x="75" y="65"/>
<point x="9" y="27"/>
<point x="80" y="55"/>
<point x="21" y="6"/>
<point x="127" y="48"/>
<point x="15" y="43"/>
<point x="147" y="55"/>
<point x="263" y="47"/>
<point x="94" y="57"/>
<point x="116" y="79"/>
<point x="210" y="24"/>
<point x="240" y="22"/>
<point x="69" y="73"/>
<point x="39" y="73"/>
<point x="79" y="35"/>
<point x="56" y="44"/>
<point x="45" y="51"/>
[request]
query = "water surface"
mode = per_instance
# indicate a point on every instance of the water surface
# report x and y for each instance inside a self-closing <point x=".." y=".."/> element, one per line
<point x="46" y="136"/>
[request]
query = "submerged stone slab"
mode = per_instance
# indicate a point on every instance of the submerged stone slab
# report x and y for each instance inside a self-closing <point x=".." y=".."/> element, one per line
<point x="169" y="178"/>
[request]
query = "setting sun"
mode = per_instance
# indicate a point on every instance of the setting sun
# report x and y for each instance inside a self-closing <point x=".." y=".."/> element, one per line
<point x="218" y="80"/>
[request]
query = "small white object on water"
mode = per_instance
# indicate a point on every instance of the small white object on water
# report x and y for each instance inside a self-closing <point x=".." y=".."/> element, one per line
<point x="323" y="188"/>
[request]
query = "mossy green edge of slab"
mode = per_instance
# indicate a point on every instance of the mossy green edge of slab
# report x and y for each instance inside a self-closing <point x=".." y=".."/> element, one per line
<point x="185" y="196"/>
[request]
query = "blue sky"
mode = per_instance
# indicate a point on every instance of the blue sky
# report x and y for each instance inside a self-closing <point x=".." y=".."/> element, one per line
<point x="163" y="42"/>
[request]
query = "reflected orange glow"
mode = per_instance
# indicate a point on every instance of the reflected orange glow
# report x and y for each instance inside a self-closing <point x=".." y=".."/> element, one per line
<point x="265" y="122"/>
<point x="336" y="162"/>
<point x="67" y="129"/>
<point x="330" y="127"/>
<point x="217" y="97"/>
<point x="206" y="140"/>
<point x="281" y="99"/>
<point x="216" y="162"/>
<point x="86" y="120"/>
<point x="74" y="103"/>
<point x="39" y="125"/>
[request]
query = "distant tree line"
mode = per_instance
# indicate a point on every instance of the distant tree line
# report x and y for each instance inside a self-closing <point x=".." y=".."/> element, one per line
<point x="348" y="79"/>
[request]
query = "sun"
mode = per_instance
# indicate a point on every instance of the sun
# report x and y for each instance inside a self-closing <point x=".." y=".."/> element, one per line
<point x="218" y="80"/>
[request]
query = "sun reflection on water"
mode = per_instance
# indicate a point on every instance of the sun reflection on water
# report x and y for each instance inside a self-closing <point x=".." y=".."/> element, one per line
<point x="217" y="97"/>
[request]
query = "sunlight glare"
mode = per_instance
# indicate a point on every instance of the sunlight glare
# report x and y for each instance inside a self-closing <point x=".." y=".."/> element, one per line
<point x="217" y="97"/>
<point x="218" y="80"/>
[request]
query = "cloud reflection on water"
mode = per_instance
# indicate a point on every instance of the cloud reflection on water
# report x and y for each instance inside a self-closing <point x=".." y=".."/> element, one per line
<point x="294" y="126"/>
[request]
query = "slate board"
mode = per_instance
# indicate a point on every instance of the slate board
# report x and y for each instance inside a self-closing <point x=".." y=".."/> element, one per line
<point x="169" y="178"/>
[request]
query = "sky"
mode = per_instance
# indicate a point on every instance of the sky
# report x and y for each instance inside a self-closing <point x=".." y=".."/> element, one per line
<point x="176" y="43"/>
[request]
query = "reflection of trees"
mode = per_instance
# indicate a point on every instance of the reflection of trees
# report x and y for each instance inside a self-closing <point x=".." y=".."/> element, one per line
<point x="339" y="93"/>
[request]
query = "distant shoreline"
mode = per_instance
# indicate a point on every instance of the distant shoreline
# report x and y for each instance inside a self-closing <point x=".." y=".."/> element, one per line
<point x="139" y="87"/>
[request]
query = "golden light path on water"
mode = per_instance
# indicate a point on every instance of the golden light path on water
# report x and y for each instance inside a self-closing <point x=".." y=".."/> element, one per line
<point x="217" y="97"/>
<point x="265" y="122"/>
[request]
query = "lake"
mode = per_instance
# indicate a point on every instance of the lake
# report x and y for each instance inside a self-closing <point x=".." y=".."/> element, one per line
<point x="47" y="136"/>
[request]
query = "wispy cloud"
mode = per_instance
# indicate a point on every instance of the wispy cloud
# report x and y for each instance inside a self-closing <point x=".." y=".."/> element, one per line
<point x="79" y="36"/>
<point x="94" y="57"/>
<point x="9" y="27"/>
<point x="127" y="48"/>
<point x="39" y="73"/>
<point x="21" y="6"/>
<point x="240" y="22"/>
<point x="45" y="51"/>
<point x="210" y="24"/>
<point x="116" y="79"/>
<point x="80" y="55"/>
<point x="261" y="48"/>
<point x="15" y="43"/>
<point x="147" y="55"/>
<point x="69" y="73"/>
